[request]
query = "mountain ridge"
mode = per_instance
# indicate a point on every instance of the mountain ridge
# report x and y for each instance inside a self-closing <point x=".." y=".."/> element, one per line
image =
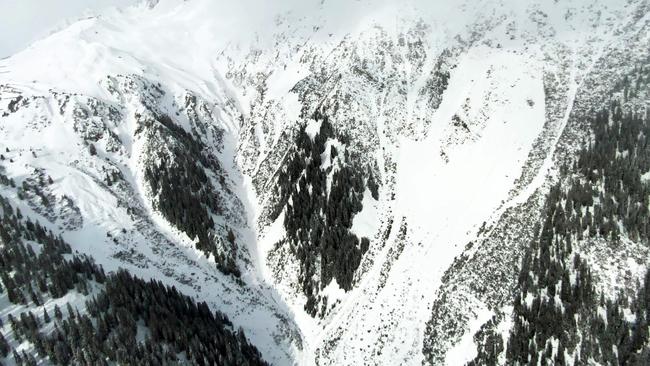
<point x="418" y="109"/>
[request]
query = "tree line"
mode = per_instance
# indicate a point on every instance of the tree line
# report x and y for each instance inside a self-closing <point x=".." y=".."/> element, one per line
<point x="318" y="217"/>
<point x="186" y="196"/>
<point x="559" y="315"/>
<point x="129" y="320"/>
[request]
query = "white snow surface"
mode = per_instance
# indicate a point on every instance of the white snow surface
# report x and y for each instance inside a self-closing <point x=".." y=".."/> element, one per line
<point x="366" y="223"/>
<point x="243" y="56"/>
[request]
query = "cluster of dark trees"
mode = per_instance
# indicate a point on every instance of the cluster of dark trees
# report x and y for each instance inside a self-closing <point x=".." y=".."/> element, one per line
<point x="5" y="180"/>
<point x="33" y="186"/>
<point x="186" y="196"/>
<point x="130" y="321"/>
<point x="489" y="345"/>
<point x="612" y="166"/>
<point x="636" y="83"/>
<point x="318" y="219"/>
<point x="439" y="80"/>
<point x="28" y="276"/>
<point x="176" y="329"/>
<point x="556" y="299"/>
<point x="14" y="103"/>
<point x="605" y="184"/>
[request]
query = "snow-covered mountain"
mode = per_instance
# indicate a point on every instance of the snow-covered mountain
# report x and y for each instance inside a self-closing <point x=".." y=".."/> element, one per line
<point x="348" y="182"/>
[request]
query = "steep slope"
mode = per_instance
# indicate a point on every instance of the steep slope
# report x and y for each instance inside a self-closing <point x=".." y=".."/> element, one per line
<point x="156" y="199"/>
<point x="39" y="272"/>
<point x="492" y="290"/>
<point x="346" y="191"/>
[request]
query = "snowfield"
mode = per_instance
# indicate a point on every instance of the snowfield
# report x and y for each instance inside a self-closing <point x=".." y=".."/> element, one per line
<point x="451" y="158"/>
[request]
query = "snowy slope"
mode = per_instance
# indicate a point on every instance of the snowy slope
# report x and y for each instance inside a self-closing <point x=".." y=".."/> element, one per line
<point x="116" y="223"/>
<point x="462" y="122"/>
